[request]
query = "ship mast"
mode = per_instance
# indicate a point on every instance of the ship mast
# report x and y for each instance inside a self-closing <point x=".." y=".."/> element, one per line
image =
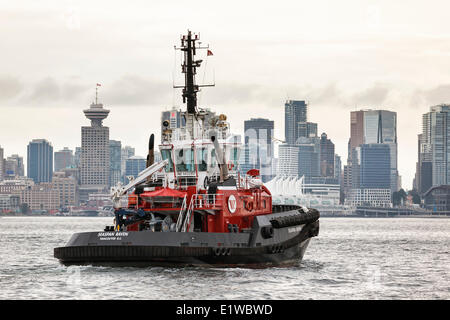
<point x="189" y="68"/>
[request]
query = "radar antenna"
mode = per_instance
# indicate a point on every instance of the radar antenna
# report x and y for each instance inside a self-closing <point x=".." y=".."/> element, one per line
<point x="189" y="68"/>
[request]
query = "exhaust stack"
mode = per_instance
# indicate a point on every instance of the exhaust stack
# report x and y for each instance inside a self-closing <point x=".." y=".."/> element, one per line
<point x="220" y="155"/>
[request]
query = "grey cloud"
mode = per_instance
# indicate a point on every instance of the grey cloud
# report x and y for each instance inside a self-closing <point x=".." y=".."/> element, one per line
<point x="52" y="92"/>
<point x="373" y="96"/>
<point x="437" y="95"/>
<point x="136" y="90"/>
<point x="46" y="90"/>
<point x="10" y="88"/>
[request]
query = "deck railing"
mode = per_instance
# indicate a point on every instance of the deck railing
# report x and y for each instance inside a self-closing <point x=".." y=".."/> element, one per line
<point x="207" y="201"/>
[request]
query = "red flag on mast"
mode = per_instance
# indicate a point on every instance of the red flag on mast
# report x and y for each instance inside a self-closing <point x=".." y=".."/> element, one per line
<point x="209" y="53"/>
<point x="99" y="85"/>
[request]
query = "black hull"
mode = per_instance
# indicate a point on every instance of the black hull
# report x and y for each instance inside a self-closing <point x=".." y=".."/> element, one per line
<point x="286" y="247"/>
<point x="123" y="256"/>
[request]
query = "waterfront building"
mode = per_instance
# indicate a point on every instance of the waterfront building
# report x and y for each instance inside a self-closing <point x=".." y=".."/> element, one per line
<point x="369" y="198"/>
<point x="115" y="156"/>
<point x="94" y="161"/>
<point x="9" y="186"/>
<point x="43" y="196"/>
<point x="9" y="202"/>
<point x="40" y="160"/>
<point x="295" y="111"/>
<point x="437" y="199"/>
<point x="64" y="159"/>
<point x="67" y="187"/>
<point x="320" y="193"/>
<point x="134" y="165"/>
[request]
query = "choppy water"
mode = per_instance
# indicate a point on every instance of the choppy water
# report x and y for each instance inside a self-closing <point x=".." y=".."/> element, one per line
<point x="352" y="258"/>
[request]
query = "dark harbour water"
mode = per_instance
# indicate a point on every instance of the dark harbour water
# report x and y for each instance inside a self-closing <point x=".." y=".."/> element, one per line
<point x="352" y="258"/>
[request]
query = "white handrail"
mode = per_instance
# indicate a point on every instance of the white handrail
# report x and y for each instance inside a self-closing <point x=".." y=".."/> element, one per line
<point x="188" y="215"/>
<point x="181" y="215"/>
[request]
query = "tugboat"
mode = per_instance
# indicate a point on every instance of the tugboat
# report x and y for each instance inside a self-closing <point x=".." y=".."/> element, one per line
<point x="194" y="207"/>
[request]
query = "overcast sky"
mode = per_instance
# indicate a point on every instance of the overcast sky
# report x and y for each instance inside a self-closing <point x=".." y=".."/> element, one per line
<point x="338" y="55"/>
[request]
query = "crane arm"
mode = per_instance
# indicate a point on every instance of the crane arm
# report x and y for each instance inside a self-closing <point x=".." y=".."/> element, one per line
<point x="119" y="191"/>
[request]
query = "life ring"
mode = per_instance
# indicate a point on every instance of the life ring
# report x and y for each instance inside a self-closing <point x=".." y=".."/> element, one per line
<point x="249" y="206"/>
<point x="206" y="182"/>
<point x="230" y="165"/>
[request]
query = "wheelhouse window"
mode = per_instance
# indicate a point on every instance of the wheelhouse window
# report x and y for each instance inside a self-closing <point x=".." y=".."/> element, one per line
<point x="202" y="159"/>
<point x="167" y="154"/>
<point x="184" y="159"/>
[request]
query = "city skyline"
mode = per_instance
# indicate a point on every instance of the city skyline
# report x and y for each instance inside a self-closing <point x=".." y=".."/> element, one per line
<point x="367" y="55"/>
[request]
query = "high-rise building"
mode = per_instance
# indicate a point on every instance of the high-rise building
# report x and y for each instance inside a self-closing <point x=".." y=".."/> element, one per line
<point x="326" y="156"/>
<point x="134" y="165"/>
<point x="356" y="131"/>
<point x="288" y="160"/>
<point x="259" y="136"/>
<point x="375" y="168"/>
<point x="64" y="159"/>
<point x="94" y="161"/>
<point x="14" y="166"/>
<point x="294" y="112"/>
<point x="434" y="147"/>
<point x="308" y="156"/>
<point x="40" y="160"/>
<point x="374" y="126"/>
<point x="115" y="156"/>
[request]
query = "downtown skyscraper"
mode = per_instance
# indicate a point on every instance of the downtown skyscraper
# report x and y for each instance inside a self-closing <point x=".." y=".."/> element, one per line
<point x="258" y="146"/>
<point x="40" y="160"/>
<point x="371" y="127"/>
<point x="295" y="112"/>
<point x="94" y="160"/>
<point x="433" y="167"/>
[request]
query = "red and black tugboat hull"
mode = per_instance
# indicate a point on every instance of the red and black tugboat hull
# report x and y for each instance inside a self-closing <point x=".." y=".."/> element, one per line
<point x="275" y="240"/>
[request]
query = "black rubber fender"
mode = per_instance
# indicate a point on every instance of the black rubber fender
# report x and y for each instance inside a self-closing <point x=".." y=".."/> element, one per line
<point x="297" y="218"/>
